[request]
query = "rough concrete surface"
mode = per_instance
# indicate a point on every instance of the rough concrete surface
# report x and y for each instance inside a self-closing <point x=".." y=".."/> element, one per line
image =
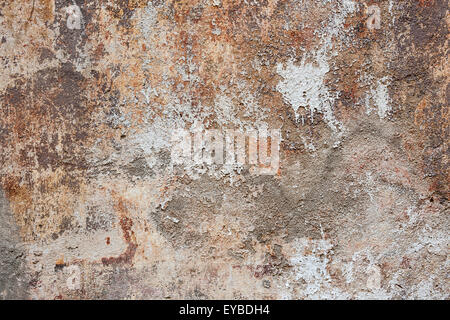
<point x="91" y="206"/>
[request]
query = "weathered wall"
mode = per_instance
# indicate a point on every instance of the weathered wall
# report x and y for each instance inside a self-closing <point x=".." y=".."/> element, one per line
<point x="91" y="206"/>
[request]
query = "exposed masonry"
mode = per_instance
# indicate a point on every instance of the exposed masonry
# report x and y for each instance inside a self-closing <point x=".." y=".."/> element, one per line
<point x="353" y="206"/>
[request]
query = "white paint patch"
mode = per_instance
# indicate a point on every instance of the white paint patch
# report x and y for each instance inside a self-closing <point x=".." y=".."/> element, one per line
<point x="381" y="98"/>
<point x="311" y="267"/>
<point x="147" y="20"/>
<point x="374" y="277"/>
<point x="310" y="262"/>
<point x="374" y="20"/>
<point x="303" y="86"/>
<point x="174" y="220"/>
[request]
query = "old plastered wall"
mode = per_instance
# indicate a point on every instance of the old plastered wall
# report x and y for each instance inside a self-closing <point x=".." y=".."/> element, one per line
<point x="91" y="207"/>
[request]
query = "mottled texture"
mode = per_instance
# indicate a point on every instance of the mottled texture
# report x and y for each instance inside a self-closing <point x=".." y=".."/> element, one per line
<point x="359" y="208"/>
